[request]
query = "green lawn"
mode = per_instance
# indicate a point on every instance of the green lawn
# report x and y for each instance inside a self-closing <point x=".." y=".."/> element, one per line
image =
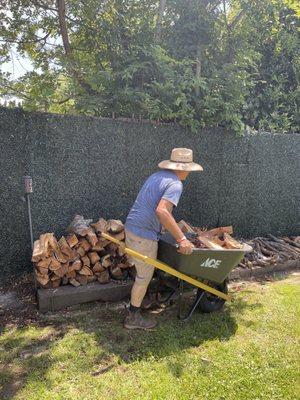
<point x="250" y="350"/>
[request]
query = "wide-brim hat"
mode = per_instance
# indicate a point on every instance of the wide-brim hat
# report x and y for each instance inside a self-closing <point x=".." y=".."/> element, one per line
<point x="181" y="160"/>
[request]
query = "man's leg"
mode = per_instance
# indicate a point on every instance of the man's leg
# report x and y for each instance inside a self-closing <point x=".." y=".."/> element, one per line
<point x="144" y="275"/>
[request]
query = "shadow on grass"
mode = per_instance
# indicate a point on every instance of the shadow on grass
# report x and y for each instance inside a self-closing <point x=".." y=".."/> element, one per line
<point x="32" y="359"/>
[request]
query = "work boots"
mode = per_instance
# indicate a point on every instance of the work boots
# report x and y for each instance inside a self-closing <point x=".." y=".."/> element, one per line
<point x="135" y="320"/>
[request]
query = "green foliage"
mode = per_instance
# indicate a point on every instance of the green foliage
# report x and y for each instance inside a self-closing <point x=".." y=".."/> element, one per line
<point x="214" y="63"/>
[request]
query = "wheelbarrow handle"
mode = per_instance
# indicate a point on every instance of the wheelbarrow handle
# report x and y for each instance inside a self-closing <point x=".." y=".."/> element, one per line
<point x="166" y="268"/>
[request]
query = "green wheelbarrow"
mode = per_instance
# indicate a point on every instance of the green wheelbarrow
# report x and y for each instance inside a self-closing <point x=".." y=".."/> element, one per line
<point x="205" y="269"/>
<point x="210" y="267"/>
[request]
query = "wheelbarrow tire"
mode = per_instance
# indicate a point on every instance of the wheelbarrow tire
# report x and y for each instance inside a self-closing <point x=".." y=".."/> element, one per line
<point x="209" y="302"/>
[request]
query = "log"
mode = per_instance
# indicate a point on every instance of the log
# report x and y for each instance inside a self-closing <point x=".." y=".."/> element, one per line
<point x="42" y="279"/>
<point x="116" y="272"/>
<point x="220" y="230"/>
<point x="41" y="270"/>
<point x="80" y="250"/>
<point x="41" y="247"/>
<point x="71" y="274"/>
<point x="66" y="249"/>
<point x="93" y="256"/>
<point x="72" y="240"/>
<point x="73" y="282"/>
<point x="103" y="277"/>
<point x="64" y="280"/>
<point x="79" y="225"/>
<point x="44" y="263"/>
<point x="75" y="266"/>
<point x="62" y="271"/>
<point x="91" y="278"/>
<point x="82" y="279"/>
<point x="85" y="270"/>
<point x="112" y="248"/>
<point x="185" y="227"/>
<point x="114" y="226"/>
<point x="92" y="237"/>
<point x="56" y="283"/>
<point x="98" y="246"/>
<point x="231" y="243"/>
<point x="57" y="250"/>
<point x="98" y="268"/>
<point x="86" y="261"/>
<point x="84" y="244"/>
<point x="55" y="264"/>
<point x="106" y="261"/>
<point x="210" y="244"/>
<point x="100" y="225"/>
<point x="119" y="236"/>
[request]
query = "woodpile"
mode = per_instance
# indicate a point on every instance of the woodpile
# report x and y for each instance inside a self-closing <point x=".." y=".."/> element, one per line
<point x="82" y="256"/>
<point x="271" y="250"/>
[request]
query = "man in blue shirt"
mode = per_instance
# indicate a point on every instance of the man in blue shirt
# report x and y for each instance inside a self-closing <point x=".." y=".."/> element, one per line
<point x="151" y="211"/>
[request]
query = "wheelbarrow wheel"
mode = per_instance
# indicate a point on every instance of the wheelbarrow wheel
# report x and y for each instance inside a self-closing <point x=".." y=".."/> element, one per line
<point x="209" y="302"/>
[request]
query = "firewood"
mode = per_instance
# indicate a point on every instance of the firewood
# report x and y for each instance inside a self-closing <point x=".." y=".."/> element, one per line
<point x="75" y="266"/>
<point x="80" y="251"/>
<point x="231" y="243"/>
<point x="64" y="280"/>
<point x="185" y="227"/>
<point x="79" y="225"/>
<point x="72" y="240"/>
<point x="121" y="252"/>
<point x="66" y="249"/>
<point x="86" y="261"/>
<point x="210" y="244"/>
<point x="116" y="272"/>
<point x="112" y="248"/>
<point x="219" y="231"/>
<point x="100" y="225"/>
<point x="123" y="265"/>
<point x="98" y="246"/>
<point x="98" y="267"/>
<point x="41" y="247"/>
<point x="114" y="226"/>
<point x="91" y="278"/>
<point x="44" y="263"/>
<point x="81" y="279"/>
<point x="119" y="236"/>
<point x="106" y="261"/>
<point x="41" y="270"/>
<point x="73" y="282"/>
<point x="42" y="279"/>
<point x="291" y="242"/>
<point x="103" y="277"/>
<point x="57" y="251"/>
<point x="85" y="270"/>
<point x="92" y="237"/>
<point x="71" y="274"/>
<point x="56" y="283"/>
<point x="84" y="244"/>
<point x="93" y="256"/>
<point x="55" y="264"/>
<point x="63" y="270"/>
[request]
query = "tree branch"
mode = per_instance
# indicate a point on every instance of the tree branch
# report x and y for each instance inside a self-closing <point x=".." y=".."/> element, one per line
<point x="160" y="13"/>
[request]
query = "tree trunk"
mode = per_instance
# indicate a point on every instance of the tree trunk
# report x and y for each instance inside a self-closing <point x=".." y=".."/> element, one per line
<point x="160" y="13"/>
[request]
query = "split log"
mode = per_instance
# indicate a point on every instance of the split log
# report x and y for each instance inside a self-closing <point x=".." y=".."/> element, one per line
<point x="57" y="250"/>
<point x="116" y="272"/>
<point x="91" y="278"/>
<point x="84" y="244"/>
<point x="185" y="227"/>
<point x="114" y="226"/>
<point x="73" y="282"/>
<point x="42" y="279"/>
<point x="63" y="270"/>
<point x="210" y="244"/>
<point x="66" y="249"/>
<point x="72" y="240"/>
<point x="92" y="237"/>
<point x="103" y="277"/>
<point x="75" y="266"/>
<point x="93" y="256"/>
<point x="64" y="280"/>
<point x="86" y="261"/>
<point x="100" y="225"/>
<point x="106" y="261"/>
<point x="231" y="243"/>
<point x="85" y="270"/>
<point x="79" y="225"/>
<point x="80" y="250"/>
<point x="98" y="268"/>
<point x="41" y="247"/>
<point x="44" y="263"/>
<point x="56" y="283"/>
<point x="119" y="236"/>
<point x="55" y="264"/>
<point x="41" y="270"/>
<point x="219" y="231"/>
<point x="71" y="274"/>
<point x="112" y="248"/>
<point x="82" y="279"/>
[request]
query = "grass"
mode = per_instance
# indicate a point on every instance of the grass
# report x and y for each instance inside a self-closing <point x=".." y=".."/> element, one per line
<point x="250" y="350"/>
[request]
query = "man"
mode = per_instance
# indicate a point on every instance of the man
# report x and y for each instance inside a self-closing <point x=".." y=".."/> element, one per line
<point x="151" y="211"/>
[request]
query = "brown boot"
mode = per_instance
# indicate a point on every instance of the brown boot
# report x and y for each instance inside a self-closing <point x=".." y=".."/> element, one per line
<point x="135" y="320"/>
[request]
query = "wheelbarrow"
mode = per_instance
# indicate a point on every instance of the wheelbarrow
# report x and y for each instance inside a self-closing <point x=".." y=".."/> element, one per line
<point x="205" y="269"/>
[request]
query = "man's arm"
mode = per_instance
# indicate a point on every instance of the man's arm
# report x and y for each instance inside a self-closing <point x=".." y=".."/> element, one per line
<point x="164" y="214"/>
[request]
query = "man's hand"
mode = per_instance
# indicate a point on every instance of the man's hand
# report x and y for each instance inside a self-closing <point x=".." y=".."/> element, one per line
<point x="186" y="247"/>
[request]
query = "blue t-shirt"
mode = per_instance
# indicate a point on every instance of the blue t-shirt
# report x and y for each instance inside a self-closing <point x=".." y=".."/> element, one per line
<point x="142" y="220"/>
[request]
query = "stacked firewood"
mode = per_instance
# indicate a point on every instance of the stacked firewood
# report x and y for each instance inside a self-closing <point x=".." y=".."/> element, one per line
<point x="271" y="250"/>
<point x="82" y="256"/>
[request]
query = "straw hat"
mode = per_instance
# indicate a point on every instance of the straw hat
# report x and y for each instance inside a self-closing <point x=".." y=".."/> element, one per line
<point x="181" y="160"/>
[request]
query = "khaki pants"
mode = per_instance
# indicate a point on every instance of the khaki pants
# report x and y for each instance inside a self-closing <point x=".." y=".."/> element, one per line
<point x="144" y="271"/>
